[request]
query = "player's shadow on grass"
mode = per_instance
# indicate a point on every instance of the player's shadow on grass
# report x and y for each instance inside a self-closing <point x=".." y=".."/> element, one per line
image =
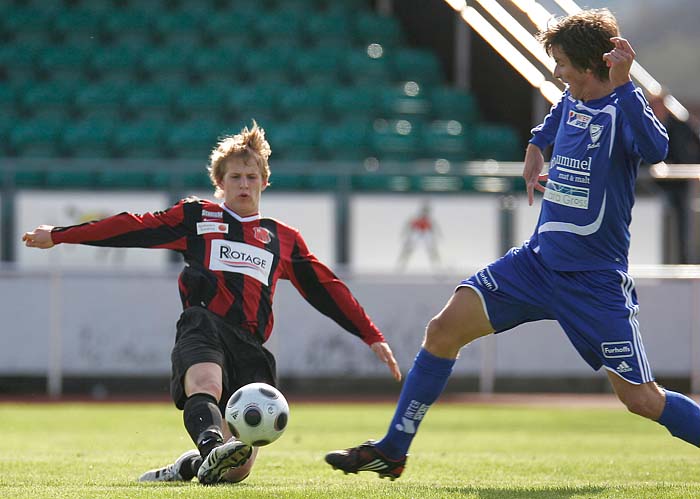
<point x="526" y="493"/>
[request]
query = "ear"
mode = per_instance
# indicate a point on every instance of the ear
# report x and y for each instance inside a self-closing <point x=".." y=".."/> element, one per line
<point x="264" y="186"/>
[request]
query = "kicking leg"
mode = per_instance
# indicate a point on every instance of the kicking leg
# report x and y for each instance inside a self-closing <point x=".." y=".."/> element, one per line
<point x="461" y="321"/>
<point x="678" y="413"/>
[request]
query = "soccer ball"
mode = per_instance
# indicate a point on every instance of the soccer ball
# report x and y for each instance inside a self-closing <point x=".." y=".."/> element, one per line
<point x="257" y="414"/>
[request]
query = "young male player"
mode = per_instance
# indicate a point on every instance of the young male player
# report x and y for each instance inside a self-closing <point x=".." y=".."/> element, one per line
<point x="233" y="260"/>
<point x="574" y="267"/>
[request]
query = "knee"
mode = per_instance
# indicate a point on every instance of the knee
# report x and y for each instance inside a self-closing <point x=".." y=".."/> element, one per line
<point x="441" y="337"/>
<point x="647" y="404"/>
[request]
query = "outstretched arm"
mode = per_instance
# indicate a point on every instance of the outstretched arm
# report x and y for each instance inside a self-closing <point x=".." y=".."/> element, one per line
<point x="532" y="171"/>
<point x="383" y="352"/>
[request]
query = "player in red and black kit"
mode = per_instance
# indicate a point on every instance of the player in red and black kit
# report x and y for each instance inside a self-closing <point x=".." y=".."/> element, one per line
<point x="233" y="260"/>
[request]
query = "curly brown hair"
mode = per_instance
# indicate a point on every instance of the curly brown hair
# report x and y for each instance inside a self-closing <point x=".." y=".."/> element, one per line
<point x="247" y="145"/>
<point x="584" y="37"/>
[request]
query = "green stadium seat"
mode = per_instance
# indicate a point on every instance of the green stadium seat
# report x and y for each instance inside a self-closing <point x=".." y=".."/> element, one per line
<point x="447" y="139"/>
<point x="406" y="100"/>
<point x="453" y="104"/>
<point x="294" y="141"/>
<point x="162" y="63"/>
<point x="362" y="68"/>
<point x="359" y="103"/>
<point x="280" y="28"/>
<point x="91" y="138"/>
<point x="123" y="178"/>
<point x="499" y="142"/>
<point x="201" y="102"/>
<point x="115" y="58"/>
<point x="128" y="27"/>
<point x="71" y="177"/>
<point x="409" y="64"/>
<point x="103" y="100"/>
<point x="231" y="30"/>
<point x="219" y="65"/>
<point x="346" y="141"/>
<point x="304" y="102"/>
<point x="9" y="99"/>
<point x="374" y="28"/>
<point x="259" y="102"/>
<point x="49" y="100"/>
<point x="324" y="29"/>
<point x="395" y="140"/>
<point x="193" y="139"/>
<point x="77" y="26"/>
<point x="141" y="139"/>
<point x="150" y="101"/>
<point x="270" y="65"/>
<point x="18" y="62"/>
<point x="36" y="138"/>
<point x="319" y="66"/>
<point x="28" y="18"/>
<point x="64" y="62"/>
<point x="179" y="29"/>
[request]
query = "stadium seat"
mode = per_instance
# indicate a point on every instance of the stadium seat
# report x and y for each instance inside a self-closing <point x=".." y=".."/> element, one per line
<point x="141" y="139"/>
<point x="90" y="138"/>
<point x="375" y="28"/>
<point x="345" y="141"/>
<point x="36" y="138"/>
<point x="359" y="103"/>
<point x="453" y="104"/>
<point x="319" y="66"/>
<point x="64" y="62"/>
<point x="201" y="102"/>
<point x="270" y="65"/>
<point x="163" y="63"/>
<point x="329" y="30"/>
<point x="304" y="102"/>
<point x="405" y="100"/>
<point x="363" y="68"/>
<point x="218" y="66"/>
<point x="110" y="178"/>
<point x="150" y="101"/>
<point x="499" y="142"/>
<point x="18" y="62"/>
<point x="231" y="30"/>
<point x="103" y="100"/>
<point x="395" y="140"/>
<point x="192" y="139"/>
<point x="179" y="29"/>
<point x="280" y="28"/>
<point x="26" y="23"/>
<point x="9" y="99"/>
<point x="419" y="65"/>
<point x="258" y="102"/>
<point x="77" y="26"/>
<point x="446" y="139"/>
<point x="49" y="100"/>
<point x="294" y="141"/>
<point x="128" y="27"/>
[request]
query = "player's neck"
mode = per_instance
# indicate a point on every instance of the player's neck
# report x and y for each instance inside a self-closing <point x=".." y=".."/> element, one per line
<point x="597" y="90"/>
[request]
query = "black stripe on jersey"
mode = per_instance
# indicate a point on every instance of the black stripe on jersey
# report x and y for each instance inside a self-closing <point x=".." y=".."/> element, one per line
<point x="317" y="294"/>
<point x="265" y="304"/>
<point x="234" y="280"/>
<point x="146" y="238"/>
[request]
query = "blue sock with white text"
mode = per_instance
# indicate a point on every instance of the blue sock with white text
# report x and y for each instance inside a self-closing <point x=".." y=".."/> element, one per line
<point x="424" y="383"/>
<point x="681" y="417"/>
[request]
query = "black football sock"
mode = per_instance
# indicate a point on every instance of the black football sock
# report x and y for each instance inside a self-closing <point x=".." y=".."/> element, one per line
<point x="189" y="468"/>
<point x="203" y="422"/>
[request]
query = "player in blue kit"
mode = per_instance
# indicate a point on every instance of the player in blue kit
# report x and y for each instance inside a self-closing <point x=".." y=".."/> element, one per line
<point x="574" y="267"/>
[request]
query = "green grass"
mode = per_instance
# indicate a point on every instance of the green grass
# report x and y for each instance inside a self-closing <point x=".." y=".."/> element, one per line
<point x="468" y="451"/>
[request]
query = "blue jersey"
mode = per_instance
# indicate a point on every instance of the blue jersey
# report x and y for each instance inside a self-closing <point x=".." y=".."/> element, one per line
<point x="587" y="205"/>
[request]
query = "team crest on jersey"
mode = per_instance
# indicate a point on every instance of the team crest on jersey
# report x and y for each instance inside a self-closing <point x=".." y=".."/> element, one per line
<point x="579" y="120"/>
<point x="595" y="131"/>
<point x="262" y="234"/>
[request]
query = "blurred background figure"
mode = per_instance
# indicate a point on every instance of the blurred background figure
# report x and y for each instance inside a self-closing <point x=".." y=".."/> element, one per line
<point x="683" y="148"/>
<point x="420" y="230"/>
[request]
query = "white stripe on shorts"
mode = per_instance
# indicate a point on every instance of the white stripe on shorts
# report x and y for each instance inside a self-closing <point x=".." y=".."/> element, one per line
<point x="627" y="288"/>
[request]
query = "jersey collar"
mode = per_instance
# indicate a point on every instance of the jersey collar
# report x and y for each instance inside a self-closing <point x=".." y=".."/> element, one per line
<point x="238" y="217"/>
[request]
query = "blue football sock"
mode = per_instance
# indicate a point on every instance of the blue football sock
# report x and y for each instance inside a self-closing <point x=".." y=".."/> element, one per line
<point x="681" y="416"/>
<point x="424" y="384"/>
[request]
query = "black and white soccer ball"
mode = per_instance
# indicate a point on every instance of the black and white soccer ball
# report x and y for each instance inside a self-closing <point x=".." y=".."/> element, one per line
<point x="257" y="414"/>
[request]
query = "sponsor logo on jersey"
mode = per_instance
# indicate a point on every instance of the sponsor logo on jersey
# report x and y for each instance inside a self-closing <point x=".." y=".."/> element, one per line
<point x="486" y="279"/>
<point x="212" y="214"/>
<point x="571" y="165"/>
<point x="617" y="349"/>
<point x="241" y="258"/>
<point x="211" y="227"/>
<point x="566" y="195"/>
<point x="262" y="234"/>
<point x="579" y="120"/>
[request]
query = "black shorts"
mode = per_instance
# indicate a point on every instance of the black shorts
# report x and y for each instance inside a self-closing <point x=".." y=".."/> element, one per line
<point x="203" y="336"/>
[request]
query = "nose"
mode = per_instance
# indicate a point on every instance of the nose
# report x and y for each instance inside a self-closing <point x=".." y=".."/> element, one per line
<point x="556" y="73"/>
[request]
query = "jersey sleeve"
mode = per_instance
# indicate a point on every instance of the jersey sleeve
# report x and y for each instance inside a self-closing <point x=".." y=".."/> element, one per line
<point x="649" y="137"/>
<point x="328" y="294"/>
<point x="162" y="229"/>
<point x="543" y="135"/>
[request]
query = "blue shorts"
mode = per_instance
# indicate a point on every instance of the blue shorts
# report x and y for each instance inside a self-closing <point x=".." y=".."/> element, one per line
<point x="597" y="309"/>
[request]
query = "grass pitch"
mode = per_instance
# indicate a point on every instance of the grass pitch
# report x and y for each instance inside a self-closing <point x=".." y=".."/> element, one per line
<point x="467" y="451"/>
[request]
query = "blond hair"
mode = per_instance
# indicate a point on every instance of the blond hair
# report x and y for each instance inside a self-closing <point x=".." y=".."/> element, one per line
<point x="247" y="145"/>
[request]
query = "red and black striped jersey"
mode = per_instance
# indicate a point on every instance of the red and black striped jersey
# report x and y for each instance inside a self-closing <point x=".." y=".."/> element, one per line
<point x="232" y="264"/>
